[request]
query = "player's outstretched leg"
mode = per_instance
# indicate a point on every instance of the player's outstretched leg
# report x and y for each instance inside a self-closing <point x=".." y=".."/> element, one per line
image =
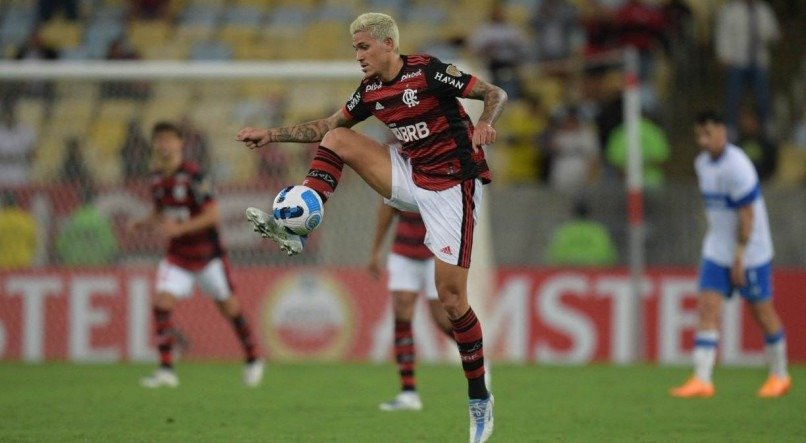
<point x="164" y="376"/>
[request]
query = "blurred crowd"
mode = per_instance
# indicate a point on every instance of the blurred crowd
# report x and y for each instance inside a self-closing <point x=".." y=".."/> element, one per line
<point x="560" y="61"/>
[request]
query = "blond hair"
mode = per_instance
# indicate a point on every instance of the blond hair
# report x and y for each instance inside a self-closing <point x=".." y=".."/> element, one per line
<point x="379" y="26"/>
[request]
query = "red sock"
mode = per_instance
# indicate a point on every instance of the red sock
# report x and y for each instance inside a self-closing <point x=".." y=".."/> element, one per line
<point x="165" y="336"/>
<point x="404" y="354"/>
<point x="325" y="172"/>
<point x="467" y="331"/>
<point x="244" y="333"/>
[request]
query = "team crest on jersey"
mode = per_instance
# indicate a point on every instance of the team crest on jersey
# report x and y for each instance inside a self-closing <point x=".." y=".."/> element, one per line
<point x="410" y="98"/>
<point x="180" y="192"/>
<point x="453" y="70"/>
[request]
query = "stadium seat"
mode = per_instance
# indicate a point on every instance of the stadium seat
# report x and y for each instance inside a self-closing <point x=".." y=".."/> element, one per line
<point x="31" y="112"/>
<point x="326" y="40"/>
<point x="61" y="34"/>
<point x="148" y="34"/>
<point x="16" y="24"/>
<point x="48" y="157"/>
<point x="200" y="15"/>
<point x="250" y="16"/>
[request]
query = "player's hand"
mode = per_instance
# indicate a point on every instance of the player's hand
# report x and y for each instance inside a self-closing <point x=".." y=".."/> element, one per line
<point x="483" y="135"/>
<point x="374" y="267"/>
<point x="253" y="138"/>
<point x="139" y="225"/>
<point x="170" y="228"/>
<point x="737" y="276"/>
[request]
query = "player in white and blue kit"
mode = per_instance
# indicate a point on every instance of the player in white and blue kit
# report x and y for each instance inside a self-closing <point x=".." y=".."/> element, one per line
<point x="736" y="255"/>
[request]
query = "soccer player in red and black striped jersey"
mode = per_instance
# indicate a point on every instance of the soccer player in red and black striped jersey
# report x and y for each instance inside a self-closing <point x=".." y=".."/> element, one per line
<point x="439" y="173"/>
<point x="186" y="214"/>
<point x="410" y="266"/>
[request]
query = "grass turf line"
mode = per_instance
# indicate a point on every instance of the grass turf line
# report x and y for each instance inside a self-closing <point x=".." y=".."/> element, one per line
<point x="339" y="403"/>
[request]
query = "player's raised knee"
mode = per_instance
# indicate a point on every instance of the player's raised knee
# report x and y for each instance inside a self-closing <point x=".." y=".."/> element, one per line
<point x="337" y="138"/>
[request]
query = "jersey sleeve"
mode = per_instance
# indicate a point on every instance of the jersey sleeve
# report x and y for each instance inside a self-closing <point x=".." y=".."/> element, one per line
<point x="743" y="183"/>
<point x="201" y="188"/>
<point x="447" y="79"/>
<point x="355" y="108"/>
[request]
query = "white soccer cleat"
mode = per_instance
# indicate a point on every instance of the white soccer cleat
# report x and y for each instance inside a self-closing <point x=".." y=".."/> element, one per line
<point x="267" y="227"/>
<point x="162" y="377"/>
<point x="253" y="373"/>
<point x="405" y="401"/>
<point x="481" y="419"/>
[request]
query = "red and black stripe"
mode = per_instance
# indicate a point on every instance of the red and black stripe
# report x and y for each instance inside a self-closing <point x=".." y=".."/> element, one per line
<point x="404" y="354"/>
<point x="468" y="335"/>
<point x="468" y="223"/>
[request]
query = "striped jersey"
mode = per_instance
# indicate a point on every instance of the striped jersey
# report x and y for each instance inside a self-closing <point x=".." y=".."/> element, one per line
<point x="728" y="183"/>
<point x="421" y="108"/>
<point x="409" y="237"/>
<point x="181" y="196"/>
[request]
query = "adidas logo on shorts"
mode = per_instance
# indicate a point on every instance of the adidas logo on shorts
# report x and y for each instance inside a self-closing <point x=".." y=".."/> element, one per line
<point x="446" y="250"/>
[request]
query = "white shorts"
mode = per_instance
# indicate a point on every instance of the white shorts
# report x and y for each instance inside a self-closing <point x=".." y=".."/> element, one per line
<point x="449" y="215"/>
<point x="411" y="275"/>
<point x="213" y="279"/>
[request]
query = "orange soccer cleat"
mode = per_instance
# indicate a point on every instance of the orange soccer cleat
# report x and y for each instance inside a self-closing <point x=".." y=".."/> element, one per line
<point x="775" y="386"/>
<point x="693" y="387"/>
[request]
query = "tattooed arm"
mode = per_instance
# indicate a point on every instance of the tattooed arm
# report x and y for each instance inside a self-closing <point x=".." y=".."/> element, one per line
<point x="309" y="132"/>
<point x="494" y="100"/>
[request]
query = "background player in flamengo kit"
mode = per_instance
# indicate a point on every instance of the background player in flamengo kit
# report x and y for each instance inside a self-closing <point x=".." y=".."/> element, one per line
<point x="411" y="271"/>
<point x="736" y="254"/>
<point x="186" y="214"/>
<point x="439" y="174"/>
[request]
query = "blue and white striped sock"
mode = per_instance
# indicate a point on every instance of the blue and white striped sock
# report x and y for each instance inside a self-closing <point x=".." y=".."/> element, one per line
<point x="705" y="345"/>
<point x="775" y="348"/>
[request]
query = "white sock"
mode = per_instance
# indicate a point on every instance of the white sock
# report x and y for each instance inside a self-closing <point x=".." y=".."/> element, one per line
<point x="776" y="353"/>
<point x="705" y="344"/>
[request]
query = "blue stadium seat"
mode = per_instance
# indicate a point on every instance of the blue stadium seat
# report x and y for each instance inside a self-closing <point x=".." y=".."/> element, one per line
<point x="211" y="50"/>
<point x="17" y="23"/>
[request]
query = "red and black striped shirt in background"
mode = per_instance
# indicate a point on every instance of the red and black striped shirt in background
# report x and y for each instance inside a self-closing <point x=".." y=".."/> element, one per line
<point x="181" y="196"/>
<point x="421" y="108"/>
<point x="409" y="237"/>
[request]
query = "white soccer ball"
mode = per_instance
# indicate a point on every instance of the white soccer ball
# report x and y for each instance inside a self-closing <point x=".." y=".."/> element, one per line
<point x="299" y="209"/>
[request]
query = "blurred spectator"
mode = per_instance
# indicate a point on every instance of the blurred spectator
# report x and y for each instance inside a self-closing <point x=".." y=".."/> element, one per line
<point x="86" y="238"/>
<point x="502" y="46"/>
<point x="642" y="27"/>
<point x="555" y="25"/>
<point x="17" y="234"/>
<point x="35" y="48"/>
<point x="49" y="8"/>
<point x="574" y="152"/>
<point x="74" y="167"/>
<point x="150" y="9"/>
<point x="799" y="133"/>
<point x="135" y="154"/>
<point x="744" y="31"/>
<point x="758" y="147"/>
<point x="196" y="143"/>
<point x="523" y="123"/>
<point x="654" y="148"/>
<point x="17" y="144"/>
<point x="120" y="49"/>
<point x="581" y="242"/>
<point x="600" y="35"/>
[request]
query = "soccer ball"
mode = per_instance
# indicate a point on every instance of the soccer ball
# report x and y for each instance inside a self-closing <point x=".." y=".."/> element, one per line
<point x="299" y="209"/>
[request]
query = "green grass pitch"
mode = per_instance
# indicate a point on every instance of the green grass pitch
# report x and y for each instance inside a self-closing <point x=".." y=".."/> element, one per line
<point x="339" y="403"/>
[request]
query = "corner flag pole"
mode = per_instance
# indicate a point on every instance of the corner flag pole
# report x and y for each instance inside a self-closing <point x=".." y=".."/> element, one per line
<point x="635" y="197"/>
